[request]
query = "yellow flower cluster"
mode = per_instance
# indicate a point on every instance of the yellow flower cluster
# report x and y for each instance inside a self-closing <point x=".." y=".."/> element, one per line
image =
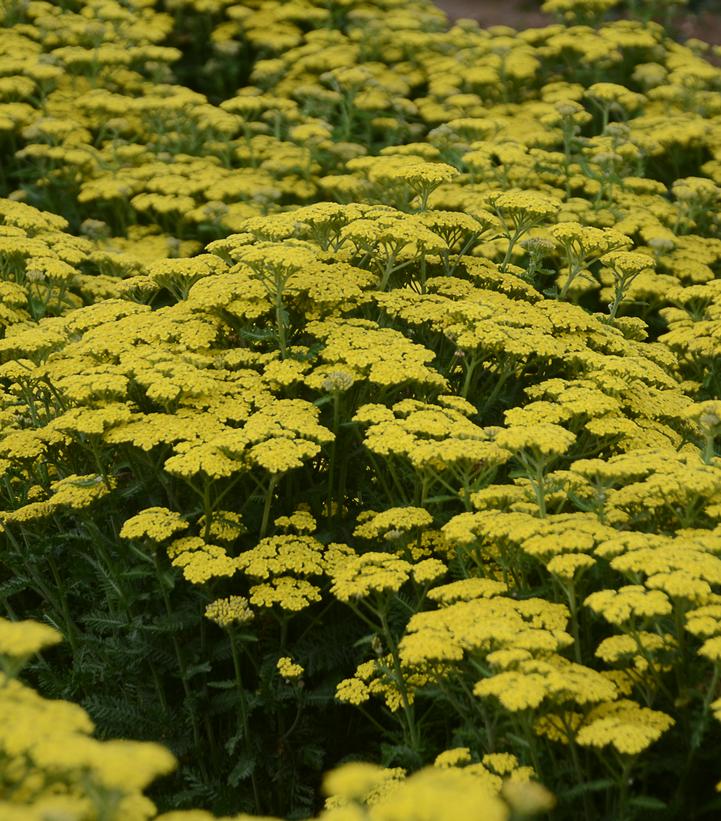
<point x="229" y="611"/>
<point x="288" y="669"/>
<point x="53" y="765"/>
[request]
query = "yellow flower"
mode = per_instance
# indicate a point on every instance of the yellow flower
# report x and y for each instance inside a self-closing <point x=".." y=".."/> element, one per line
<point x="452" y="758"/>
<point x="629" y="603"/>
<point x="77" y="492"/>
<point x="153" y="523"/>
<point x="554" y="679"/>
<point x="201" y="562"/>
<point x="372" y="572"/>
<point x="228" y="611"/>
<point x="399" y="521"/>
<point x="288" y="669"/>
<point x="442" y="794"/>
<point x="19" y="639"/>
<point x="624" y="725"/>
<point x="277" y="555"/>
<point x="354" y="780"/>
<point x="352" y="691"/>
<point x="466" y="590"/>
<point x="288" y="593"/>
<point x="544" y="439"/>
<point x="568" y="565"/>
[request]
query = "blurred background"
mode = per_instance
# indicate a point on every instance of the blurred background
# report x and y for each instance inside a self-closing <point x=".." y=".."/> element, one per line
<point x="697" y="18"/>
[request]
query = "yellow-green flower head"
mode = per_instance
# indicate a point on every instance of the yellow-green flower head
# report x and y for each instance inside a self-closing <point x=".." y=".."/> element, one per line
<point x="571" y="10"/>
<point x="554" y="679"/>
<point x="442" y="794"/>
<point x="278" y="555"/>
<point x="427" y="571"/>
<point x="453" y="758"/>
<point x="154" y="523"/>
<point x="353" y="781"/>
<point x="624" y="725"/>
<point x="77" y="492"/>
<point x="629" y="603"/>
<point x="229" y="611"/>
<point x="545" y="439"/>
<point x="360" y="576"/>
<point x="628" y="263"/>
<point x="301" y="521"/>
<point x="527" y="797"/>
<point x="288" y="669"/>
<point x="467" y="590"/>
<point x="396" y="520"/>
<point x="484" y="625"/>
<point x="568" y="566"/>
<point x="352" y="691"/>
<point x="411" y="170"/>
<point x="201" y="562"/>
<point x="116" y="764"/>
<point x="706" y="414"/>
<point x="19" y="639"/>
<point x="288" y="593"/>
<point x="635" y="650"/>
<point x="522" y="206"/>
<point x="616" y="94"/>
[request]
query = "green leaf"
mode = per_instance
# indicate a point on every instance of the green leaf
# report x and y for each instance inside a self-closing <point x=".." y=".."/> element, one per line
<point x="233" y="741"/>
<point x="194" y="669"/>
<point x="244" y="768"/>
<point x="313" y="756"/>
<point x="648" y="802"/>
<point x="227" y="684"/>
<point x="588" y="786"/>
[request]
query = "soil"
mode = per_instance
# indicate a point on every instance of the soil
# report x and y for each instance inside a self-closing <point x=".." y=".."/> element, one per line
<point x="520" y="14"/>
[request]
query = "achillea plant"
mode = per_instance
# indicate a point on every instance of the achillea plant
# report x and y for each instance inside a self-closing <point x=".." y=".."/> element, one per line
<point x="360" y="390"/>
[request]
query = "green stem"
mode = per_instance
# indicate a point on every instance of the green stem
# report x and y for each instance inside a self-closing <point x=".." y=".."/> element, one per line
<point x="623" y="793"/>
<point x="512" y="240"/>
<point x="333" y="451"/>
<point x="207" y="509"/>
<point x="572" y="274"/>
<point x="243" y="716"/>
<point x="412" y="738"/>
<point x="266" y="507"/>
<point x="570" y="592"/>
<point x="182" y="669"/>
<point x="470" y="368"/>
<point x="71" y="629"/>
<point x="698" y="732"/>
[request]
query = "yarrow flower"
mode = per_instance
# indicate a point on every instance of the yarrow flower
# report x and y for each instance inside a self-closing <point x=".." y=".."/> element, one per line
<point x="288" y="669"/>
<point x="154" y="523"/>
<point x="372" y="572"/>
<point x="624" y="725"/>
<point x="229" y="611"/>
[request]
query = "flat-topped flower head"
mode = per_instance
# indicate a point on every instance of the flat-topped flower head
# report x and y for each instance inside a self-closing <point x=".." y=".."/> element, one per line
<point x="520" y="207"/>
<point x="393" y="523"/>
<point x="154" y="524"/>
<point x="20" y="639"/>
<point x="278" y="555"/>
<point x="629" y="604"/>
<point x="579" y="11"/>
<point x="624" y="725"/>
<point x="288" y="669"/>
<point x="288" y="593"/>
<point x="229" y="611"/>
<point x="554" y="679"/>
<point x="545" y="439"/>
<point x="373" y="572"/>
<point x="616" y="95"/>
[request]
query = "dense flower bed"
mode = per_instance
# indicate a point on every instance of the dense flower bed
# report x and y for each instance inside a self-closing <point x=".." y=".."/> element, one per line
<point x="361" y="396"/>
